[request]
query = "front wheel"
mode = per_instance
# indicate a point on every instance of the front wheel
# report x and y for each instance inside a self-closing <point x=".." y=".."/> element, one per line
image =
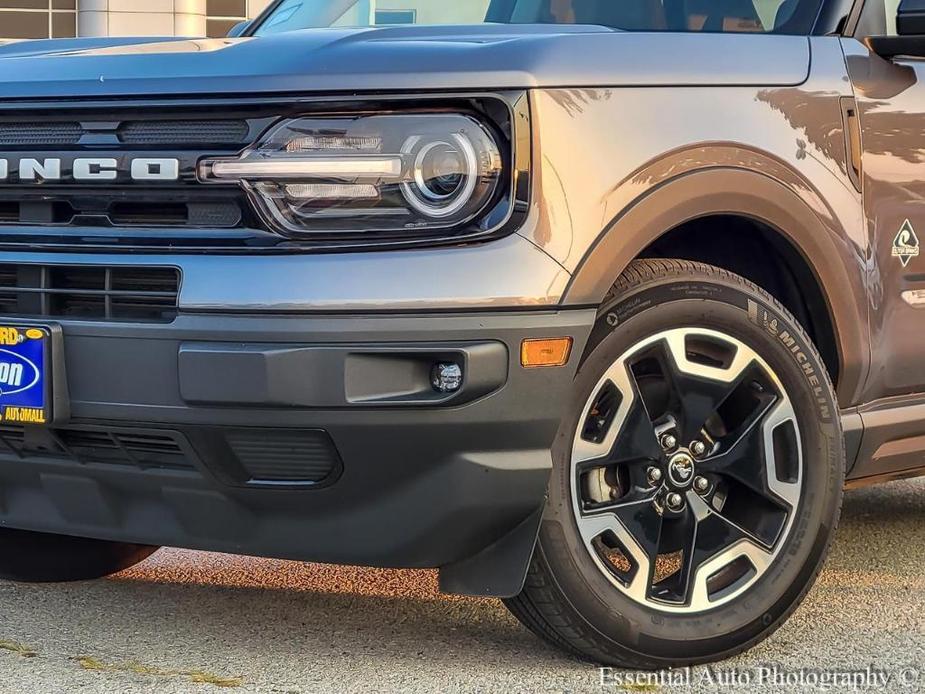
<point x="697" y="477"/>
<point x="44" y="558"/>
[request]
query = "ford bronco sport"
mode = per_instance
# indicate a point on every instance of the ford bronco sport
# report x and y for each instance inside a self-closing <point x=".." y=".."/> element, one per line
<point x="594" y="306"/>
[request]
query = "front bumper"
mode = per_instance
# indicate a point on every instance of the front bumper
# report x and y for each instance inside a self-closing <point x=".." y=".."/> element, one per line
<point x="311" y="438"/>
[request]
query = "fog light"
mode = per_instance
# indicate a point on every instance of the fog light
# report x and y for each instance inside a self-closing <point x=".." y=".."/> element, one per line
<point x="446" y="377"/>
<point x="551" y="352"/>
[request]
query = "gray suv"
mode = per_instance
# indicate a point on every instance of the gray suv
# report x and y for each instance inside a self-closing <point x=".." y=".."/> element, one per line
<point x="594" y="306"/>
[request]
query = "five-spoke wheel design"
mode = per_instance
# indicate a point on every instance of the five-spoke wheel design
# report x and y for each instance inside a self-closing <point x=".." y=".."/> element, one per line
<point x="686" y="470"/>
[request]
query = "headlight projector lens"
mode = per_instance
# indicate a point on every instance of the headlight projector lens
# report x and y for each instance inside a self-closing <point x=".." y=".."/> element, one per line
<point x="445" y="175"/>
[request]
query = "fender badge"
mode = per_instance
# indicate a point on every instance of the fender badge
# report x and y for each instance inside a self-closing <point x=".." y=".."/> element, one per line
<point x="906" y="244"/>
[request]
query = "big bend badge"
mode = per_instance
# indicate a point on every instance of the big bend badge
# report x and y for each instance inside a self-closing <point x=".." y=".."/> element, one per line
<point x="906" y="244"/>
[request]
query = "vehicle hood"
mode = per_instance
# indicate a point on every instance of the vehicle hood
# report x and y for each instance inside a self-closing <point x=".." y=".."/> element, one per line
<point x="397" y="58"/>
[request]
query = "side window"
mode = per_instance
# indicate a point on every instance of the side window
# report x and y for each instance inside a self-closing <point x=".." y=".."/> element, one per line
<point x="723" y="16"/>
<point x="717" y="16"/>
<point x="878" y="18"/>
<point x="764" y="16"/>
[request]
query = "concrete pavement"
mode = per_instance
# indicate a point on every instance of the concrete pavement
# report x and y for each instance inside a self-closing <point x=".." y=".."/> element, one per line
<point x="197" y="622"/>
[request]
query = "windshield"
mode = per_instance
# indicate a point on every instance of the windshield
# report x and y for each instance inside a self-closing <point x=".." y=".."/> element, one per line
<point x="763" y="16"/>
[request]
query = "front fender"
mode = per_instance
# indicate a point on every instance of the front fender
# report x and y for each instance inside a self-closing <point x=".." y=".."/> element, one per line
<point x="834" y="260"/>
<point x="617" y="168"/>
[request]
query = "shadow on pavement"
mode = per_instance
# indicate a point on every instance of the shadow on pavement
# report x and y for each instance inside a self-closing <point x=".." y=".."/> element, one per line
<point x="304" y="627"/>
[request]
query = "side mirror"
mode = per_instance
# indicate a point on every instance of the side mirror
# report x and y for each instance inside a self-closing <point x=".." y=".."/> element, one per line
<point x="910" y="29"/>
<point x="238" y="29"/>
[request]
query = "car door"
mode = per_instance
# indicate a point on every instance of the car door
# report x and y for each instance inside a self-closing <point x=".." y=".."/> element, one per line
<point x="890" y="156"/>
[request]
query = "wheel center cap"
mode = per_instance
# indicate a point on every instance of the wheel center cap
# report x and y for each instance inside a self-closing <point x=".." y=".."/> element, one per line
<point x="681" y="470"/>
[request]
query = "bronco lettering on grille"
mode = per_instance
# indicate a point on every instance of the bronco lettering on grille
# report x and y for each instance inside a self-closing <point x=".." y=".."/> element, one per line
<point x="30" y="169"/>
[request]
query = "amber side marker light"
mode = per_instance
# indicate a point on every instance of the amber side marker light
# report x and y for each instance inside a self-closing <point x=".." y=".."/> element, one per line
<point x="548" y="352"/>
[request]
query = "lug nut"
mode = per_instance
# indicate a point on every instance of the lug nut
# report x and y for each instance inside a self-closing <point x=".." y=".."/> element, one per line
<point x="654" y="475"/>
<point x="669" y="442"/>
<point x="675" y="501"/>
<point x="698" y="448"/>
<point x="701" y="484"/>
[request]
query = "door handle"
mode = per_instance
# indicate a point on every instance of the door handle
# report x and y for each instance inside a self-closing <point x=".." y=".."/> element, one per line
<point x="852" y="126"/>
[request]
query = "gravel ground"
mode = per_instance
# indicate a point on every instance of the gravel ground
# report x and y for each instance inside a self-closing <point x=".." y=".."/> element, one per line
<point x="194" y="622"/>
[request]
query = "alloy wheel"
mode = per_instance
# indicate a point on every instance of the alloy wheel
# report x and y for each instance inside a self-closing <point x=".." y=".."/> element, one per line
<point x="686" y="470"/>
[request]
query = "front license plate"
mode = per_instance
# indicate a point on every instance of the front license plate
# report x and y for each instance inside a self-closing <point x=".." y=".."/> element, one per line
<point x="25" y="374"/>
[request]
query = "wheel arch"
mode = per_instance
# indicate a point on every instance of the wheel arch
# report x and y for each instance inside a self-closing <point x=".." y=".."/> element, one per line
<point x="674" y="220"/>
<point x="756" y="251"/>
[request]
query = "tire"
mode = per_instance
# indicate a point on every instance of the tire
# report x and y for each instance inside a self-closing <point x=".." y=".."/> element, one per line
<point x="626" y="574"/>
<point x="32" y="557"/>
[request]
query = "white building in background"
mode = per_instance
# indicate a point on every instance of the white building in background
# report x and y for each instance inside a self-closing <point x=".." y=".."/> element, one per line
<point x="42" y="19"/>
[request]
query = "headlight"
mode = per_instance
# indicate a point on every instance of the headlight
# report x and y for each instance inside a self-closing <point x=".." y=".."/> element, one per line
<point x="362" y="173"/>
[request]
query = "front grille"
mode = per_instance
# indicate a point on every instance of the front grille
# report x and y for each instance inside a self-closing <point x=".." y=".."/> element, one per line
<point x="9" y="212"/>
<point x="183" y="132"/>
<point x="61" y="210"/>
<point x="32" y="133"/>
<point x="146" y="294"/>
<point x="136" y="448"/>
<point x="176" y="133"/>
<point x="124" y="212"/>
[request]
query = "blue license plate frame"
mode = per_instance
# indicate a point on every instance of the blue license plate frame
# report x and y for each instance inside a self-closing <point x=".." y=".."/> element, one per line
<point x="27" y="374"/>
